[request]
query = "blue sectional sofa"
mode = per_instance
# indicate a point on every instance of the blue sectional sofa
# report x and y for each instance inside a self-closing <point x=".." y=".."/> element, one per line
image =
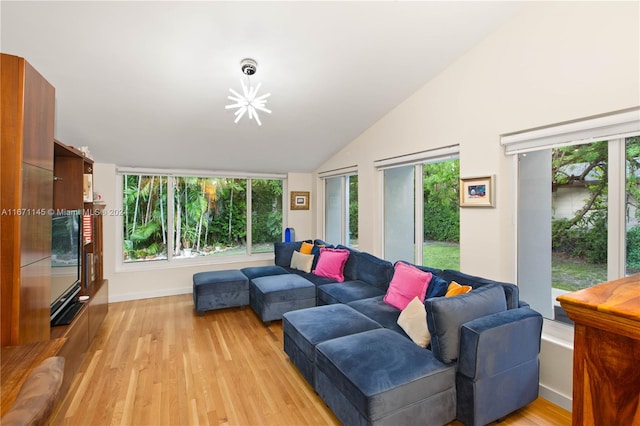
<point x="481" y="364"/>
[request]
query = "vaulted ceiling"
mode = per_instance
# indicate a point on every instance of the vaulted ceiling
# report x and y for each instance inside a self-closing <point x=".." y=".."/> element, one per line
<point x="146" y="83"/>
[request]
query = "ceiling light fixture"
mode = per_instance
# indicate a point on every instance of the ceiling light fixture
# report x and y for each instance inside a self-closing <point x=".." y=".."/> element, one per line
<point x="248" y="102"/>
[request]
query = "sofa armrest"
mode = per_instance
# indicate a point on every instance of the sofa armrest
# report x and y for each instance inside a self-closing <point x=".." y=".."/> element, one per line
<point x="499" y="342"/>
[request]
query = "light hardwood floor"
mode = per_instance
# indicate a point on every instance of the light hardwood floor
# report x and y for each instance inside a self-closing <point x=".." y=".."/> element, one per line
<point x="155" y="362"/>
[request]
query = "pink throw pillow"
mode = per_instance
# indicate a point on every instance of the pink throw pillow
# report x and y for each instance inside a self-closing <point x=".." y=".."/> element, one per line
<point x="331" y="263"/>
<point x="407" y="282"/>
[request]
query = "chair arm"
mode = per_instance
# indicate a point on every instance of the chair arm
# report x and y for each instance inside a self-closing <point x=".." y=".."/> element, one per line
<point x="498" y="342"/>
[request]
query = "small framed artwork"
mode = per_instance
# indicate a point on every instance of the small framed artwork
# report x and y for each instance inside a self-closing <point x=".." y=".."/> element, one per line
<point x="477" y="192"/>
<point x="299" y="200"/>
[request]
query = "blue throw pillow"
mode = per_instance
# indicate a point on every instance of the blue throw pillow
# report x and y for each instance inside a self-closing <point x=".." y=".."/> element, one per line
<point x="284" y="251"/>
<point x="437" y="287"/>
<point x="351" y="267"/>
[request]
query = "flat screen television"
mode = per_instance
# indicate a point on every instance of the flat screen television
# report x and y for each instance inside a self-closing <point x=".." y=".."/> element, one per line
<point x="66" y="234"/>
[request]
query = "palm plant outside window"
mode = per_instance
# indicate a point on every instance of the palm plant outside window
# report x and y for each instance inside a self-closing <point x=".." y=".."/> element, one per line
<point x="199" y="216"/>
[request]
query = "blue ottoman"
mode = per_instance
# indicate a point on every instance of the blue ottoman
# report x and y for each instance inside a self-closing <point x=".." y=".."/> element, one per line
<point x="220" y="289"/>
<point x="380" y="377"/>
<point x="304" y="329"/>
<point x="274" y="295"/>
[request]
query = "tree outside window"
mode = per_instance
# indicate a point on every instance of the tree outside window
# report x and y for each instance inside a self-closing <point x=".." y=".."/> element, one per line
<point x="209" y="216"/>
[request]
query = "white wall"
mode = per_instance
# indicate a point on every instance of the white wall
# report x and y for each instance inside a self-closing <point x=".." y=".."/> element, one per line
<point x="553" y="62"/>
<point x="301" y="220"/>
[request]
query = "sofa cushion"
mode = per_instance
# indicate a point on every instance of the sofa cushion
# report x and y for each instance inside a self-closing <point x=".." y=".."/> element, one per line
<point x="351" y="266"/>
<point x="519" y="328"/>
<point x="305" y="328"/>
<point x="407" y="282"/>
<point x="455" y="289"/>
<point x="413" y="320"/>
<point x="302" y="262"/>
<point x="510" y="290"/>
<point x="445" y="316"/>
<point x="381" y="373"/>
<point x="315" y="251"/>
<point x="311" y="326"/>
<point x="306" y="247"/>
<point x="347" y="291"/>
<point x="376" y="309"/>
<point x="437" y="286"/>
<point x="283" y="252"/>
<point x="320" y="243"/>
<point x="315" y="279"/>
<point x="331" y="263"/>
<point x="373" y="270"/>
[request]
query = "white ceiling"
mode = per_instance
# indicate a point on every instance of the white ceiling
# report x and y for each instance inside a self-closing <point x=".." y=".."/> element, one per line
<point x="145" y="83"/>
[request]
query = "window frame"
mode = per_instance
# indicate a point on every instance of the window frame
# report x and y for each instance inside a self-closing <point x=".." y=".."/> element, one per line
<point x="343" y="174"/>
<point x="171" y="261"/>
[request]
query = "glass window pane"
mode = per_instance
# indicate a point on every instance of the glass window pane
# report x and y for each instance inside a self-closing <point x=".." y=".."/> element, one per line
<point x="399" y="213"/>
<point x="352" y="211"/>
<point x="579" y="219"/>
<point x="441" y="230"/>
<point x="209" y="216"/>
<point x="632" y="212"/>
<point x="266" y="214"/>
<point x="145" y="218"/>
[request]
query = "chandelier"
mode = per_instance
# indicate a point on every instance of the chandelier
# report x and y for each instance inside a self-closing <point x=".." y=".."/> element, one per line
<point x="248" y="102"/>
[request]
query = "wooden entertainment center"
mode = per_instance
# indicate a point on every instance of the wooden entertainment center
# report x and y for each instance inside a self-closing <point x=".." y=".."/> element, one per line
<point x="41" y="176"/>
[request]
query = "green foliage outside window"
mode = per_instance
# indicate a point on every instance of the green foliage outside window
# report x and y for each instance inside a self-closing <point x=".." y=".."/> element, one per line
<point x="209" y="215"/>
<point x="266" y="216"/>
<point x="353" y="207"/>
<point x="584" y="235"/>
<point x="441" y="183"/>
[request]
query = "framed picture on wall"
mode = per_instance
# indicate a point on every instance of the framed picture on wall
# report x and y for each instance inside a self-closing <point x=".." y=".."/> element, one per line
<point x="299" y="200"/>
<point x="477" y="192"/>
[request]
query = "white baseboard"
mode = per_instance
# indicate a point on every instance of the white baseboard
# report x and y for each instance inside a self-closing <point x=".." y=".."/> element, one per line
<point x="150" y="295"/>
<point x="555" y="397"/>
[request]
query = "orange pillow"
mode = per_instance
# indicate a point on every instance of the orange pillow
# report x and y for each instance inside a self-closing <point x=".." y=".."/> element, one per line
<point x="455" y="289"/>
<point x="306" y="248"/>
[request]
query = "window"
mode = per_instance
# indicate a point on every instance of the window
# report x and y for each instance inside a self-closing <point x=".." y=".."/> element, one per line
<point x="632" y="207"/>
<point x="341" y="210"/>
<point x="200" y="216"/>
<point x="210" y="216"/>
<point x="144" y="205"/>
<point x="421" y="203"/>
<point x="578" y="188"/>
<point x="441" y="218"/>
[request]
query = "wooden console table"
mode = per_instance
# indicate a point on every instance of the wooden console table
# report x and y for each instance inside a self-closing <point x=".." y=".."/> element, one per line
<point x="606" y="374"/>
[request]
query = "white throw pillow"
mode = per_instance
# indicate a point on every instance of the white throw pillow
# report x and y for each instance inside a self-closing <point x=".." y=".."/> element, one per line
<point x="301" y="262"/>
<point x="413" y="320"/>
